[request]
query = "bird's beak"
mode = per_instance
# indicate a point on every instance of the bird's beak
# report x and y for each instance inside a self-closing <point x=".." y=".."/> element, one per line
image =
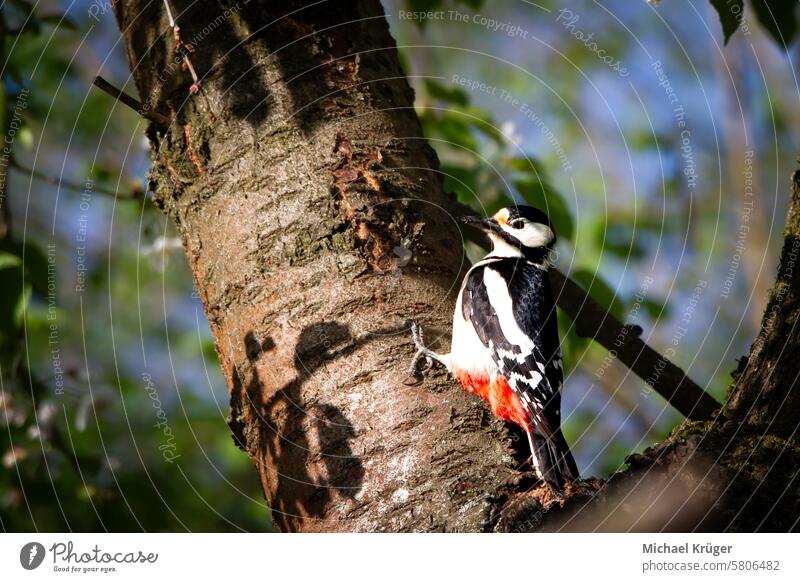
<point x="485" y="224"/>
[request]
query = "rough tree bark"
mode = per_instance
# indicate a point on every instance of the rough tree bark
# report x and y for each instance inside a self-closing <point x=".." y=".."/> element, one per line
<point x="315" y="224"/>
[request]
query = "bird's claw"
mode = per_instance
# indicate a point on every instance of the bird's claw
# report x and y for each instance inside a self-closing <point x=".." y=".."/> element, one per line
<point x="412" y="381"/>
<point x="419" y="342"/>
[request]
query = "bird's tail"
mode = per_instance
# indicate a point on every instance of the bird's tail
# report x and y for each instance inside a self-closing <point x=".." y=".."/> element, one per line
<point x="553" y="459"/>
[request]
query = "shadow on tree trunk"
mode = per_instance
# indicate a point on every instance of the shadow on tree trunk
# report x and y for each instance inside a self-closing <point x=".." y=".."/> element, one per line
<point x="308" y="440"/>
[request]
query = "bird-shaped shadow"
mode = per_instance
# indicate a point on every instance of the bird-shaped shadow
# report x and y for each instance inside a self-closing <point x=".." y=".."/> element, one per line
<point x="305" y="442"/>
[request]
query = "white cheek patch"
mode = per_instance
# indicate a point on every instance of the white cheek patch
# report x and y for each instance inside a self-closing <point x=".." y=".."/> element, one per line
<point x="535" y="234"/>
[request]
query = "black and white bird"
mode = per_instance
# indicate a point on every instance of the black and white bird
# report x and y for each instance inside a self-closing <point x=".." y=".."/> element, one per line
<point x="505" y="346"/>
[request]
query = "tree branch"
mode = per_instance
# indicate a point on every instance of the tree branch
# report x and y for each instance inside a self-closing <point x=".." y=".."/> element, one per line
<point x="594" y="322"/>
<point x="134" y="104"/>
<point x="136" y="194"/>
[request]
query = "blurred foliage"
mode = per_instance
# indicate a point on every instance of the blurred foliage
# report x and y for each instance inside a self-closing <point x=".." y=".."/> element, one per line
<point x="90" y="439"/>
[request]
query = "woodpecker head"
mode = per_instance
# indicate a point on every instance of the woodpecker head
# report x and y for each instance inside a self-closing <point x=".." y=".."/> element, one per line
<point x="517" y="231"/>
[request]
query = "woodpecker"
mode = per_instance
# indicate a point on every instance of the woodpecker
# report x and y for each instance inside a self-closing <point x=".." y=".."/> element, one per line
<point x="505" y="346"/>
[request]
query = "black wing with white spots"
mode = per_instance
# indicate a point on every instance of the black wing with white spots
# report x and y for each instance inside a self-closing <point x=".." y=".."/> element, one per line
<point x="509" y="303"/>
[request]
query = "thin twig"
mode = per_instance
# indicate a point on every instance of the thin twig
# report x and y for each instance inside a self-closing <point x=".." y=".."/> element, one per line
<point x="134" y="104"/>
<point x="183" y="48"/>
<point x="135" y="195"/>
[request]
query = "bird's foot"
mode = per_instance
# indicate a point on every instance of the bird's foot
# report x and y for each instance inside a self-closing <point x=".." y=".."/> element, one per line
<point x="422" y="353"/>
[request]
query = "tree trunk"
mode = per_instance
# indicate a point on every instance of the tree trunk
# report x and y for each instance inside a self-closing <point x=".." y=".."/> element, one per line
<point x="315" y="224"/>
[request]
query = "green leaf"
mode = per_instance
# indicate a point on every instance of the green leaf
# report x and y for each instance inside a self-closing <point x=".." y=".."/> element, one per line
<point x="540" y="194"/>
<point x="779" y="17"/>
<point x="527" y="164"/>
<point x="35" y="264"/>
<point x="451" y="95"/>
<point x="21" y="307"/>
<point x="455" y="129"/>
<point x="482" y="121"/>
<point x="25" y="137"/>
<point x="655" y="309"/>
<point x="59" y="20"/>
<point x="644" y="140"/>
<point x="209" y="351"/>
<point x="618" y="240"/>
<point x="461" y="181"/>
<point x="11" y="292"/>
<point x="8" y="260"/>
<point x="100" y="173"/>
<point x="599" y="290"/>
<point x="14" y="296"/>
<point x="36" y="268"/>
<point x="730" y="15"/>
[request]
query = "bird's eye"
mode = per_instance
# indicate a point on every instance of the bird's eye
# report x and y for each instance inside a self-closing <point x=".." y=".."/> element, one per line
<point x="519" y="223"/>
